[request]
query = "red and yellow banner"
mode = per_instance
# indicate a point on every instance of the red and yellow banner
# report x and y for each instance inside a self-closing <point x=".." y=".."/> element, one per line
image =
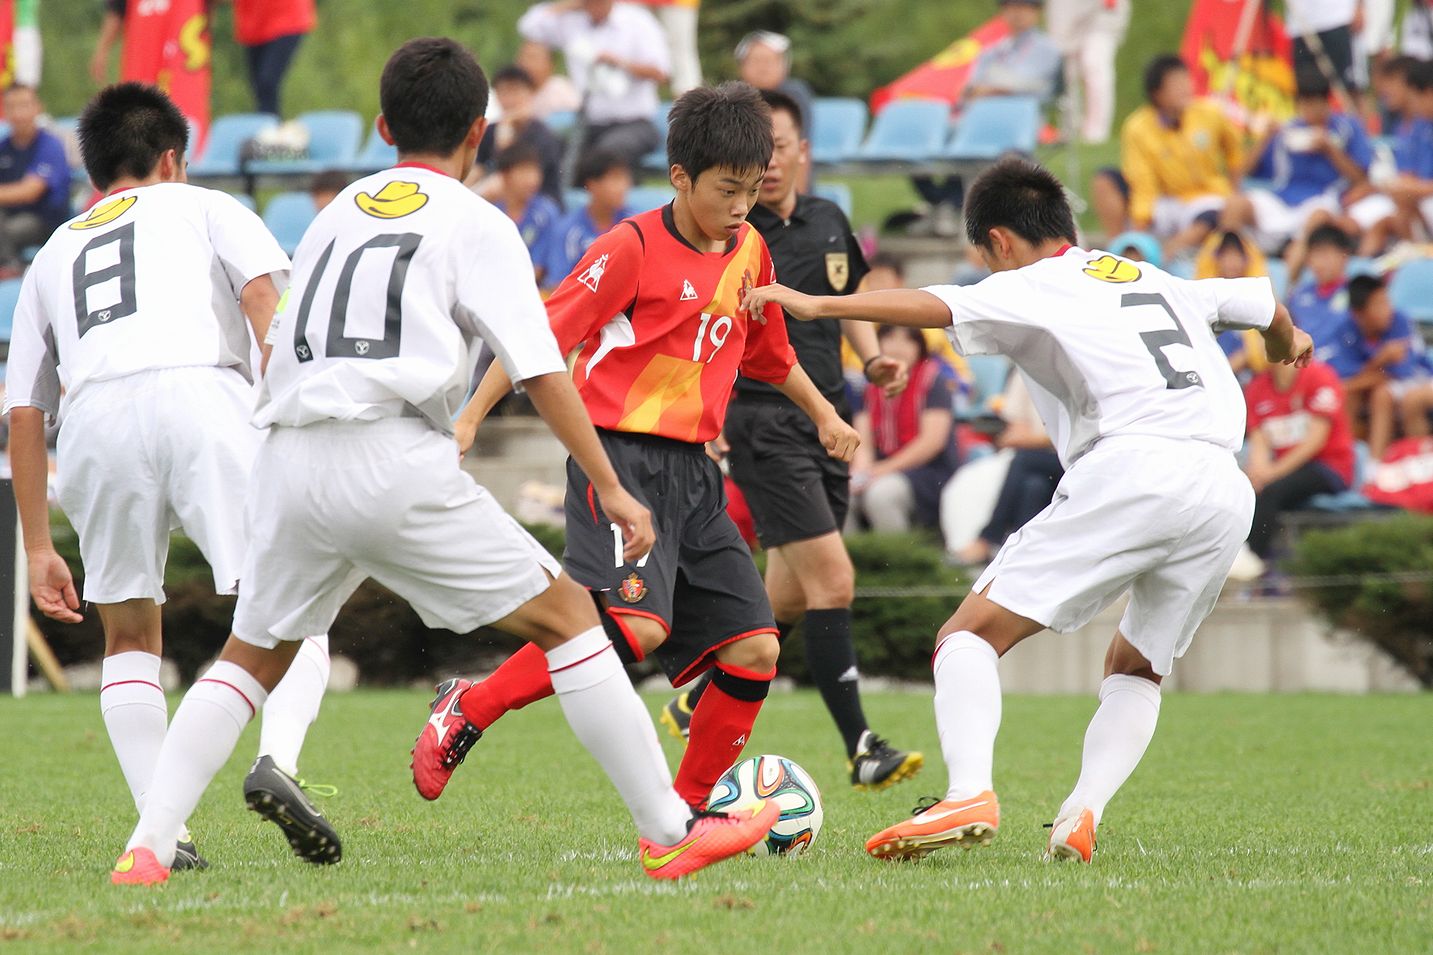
<point x="944" y="75"/>
<point x="1256" y="75"/>
<point x="7" y="43"/>
<point x="167" y="43"/>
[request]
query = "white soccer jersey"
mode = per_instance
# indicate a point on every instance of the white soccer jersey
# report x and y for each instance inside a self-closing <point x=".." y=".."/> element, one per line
<point x="149" y="278"/>
<point x="394" y="283"/>
<point x="1114" y="347"/>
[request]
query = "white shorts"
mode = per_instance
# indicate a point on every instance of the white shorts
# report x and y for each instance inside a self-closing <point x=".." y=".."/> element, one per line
<point x="335" y="503"/>
<point x="1276" y="222"/>
<point x="1172" y="216"/>
<point x="142" y="455"/>
<point x="1160" y="518"/>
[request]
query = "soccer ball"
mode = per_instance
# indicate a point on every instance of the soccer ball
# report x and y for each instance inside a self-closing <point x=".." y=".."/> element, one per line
<point x="773" y="777"/>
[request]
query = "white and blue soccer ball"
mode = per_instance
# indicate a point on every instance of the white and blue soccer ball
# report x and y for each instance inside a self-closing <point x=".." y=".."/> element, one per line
<point x="758" y="778"/>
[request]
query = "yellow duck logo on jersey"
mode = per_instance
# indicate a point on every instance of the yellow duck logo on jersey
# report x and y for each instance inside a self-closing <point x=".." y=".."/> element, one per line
<point x="394" y="201"/>
<point x="105" y="213"/>
<point x="1108" y="268"/>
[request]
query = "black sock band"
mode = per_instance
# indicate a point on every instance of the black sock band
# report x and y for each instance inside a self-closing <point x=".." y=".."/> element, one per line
<point x="740" y="687"/>
<point x="831" y="657"/>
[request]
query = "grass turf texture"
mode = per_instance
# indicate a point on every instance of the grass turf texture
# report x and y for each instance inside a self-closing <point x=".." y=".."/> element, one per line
<point x="1255" y="824"/>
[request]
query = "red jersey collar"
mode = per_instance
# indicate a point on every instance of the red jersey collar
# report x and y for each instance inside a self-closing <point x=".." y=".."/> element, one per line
<point x="421" y="165"/>
<point x="1062" y="250"/>
<point x="1324" y="291"/>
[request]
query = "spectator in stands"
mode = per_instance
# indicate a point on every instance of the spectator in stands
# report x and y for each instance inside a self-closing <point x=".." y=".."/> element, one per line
<point x="1386" y="372"/>
<point x="1416" y="31"/>
<point x="111" y="33"/>
<point x="1299" y="445"/>
<point x="1180" y="156"/>
<point x="270" y="32"/>
<point x="1323" y="32"/>
<point x="1411" y="189"/>
<point x="907" y="442"/>
<point x="34" y="178"/>
<point x="1088" y="34"/>
<point x="764" y="60"/>
<point x="607" y="179"/>
<point x="1138" y="247"/>
<point x="679" y="20"/>
<point x="520" y="198"/>
<point x="1394" y="95"/>
<point x="516" y="95"/>
<point x="1319" y="304"/>
<point x="1109" y="200"/>
<point x="1228" y="255"/>
<point x="555" y="92"/>
<point x="325" y="187"/>
<point x="617" y="55"/>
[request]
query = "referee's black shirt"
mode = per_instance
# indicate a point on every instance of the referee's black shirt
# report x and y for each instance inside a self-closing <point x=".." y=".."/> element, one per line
<point x="814" y="252"/>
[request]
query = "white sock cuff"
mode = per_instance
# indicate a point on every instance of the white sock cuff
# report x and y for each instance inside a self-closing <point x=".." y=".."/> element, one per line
<point x="132" y="666"/>
<point x="235" y="682"/>
<point x="584" y="661"/>
<point x="961" y="640"/>
<point x="1123" y="682"/>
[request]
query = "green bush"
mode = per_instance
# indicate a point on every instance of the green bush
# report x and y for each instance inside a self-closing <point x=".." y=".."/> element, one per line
<point x="1375" y="578"/>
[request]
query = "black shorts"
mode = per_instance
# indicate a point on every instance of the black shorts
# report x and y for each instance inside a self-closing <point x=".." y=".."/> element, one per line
<point x="1338" y="46"/>
<point x="699" y="581"/>
<point x="795" y="490"/>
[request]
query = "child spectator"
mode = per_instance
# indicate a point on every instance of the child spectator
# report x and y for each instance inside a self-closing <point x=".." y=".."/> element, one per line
<point x="1320" y="303"/>
<point x="1227" y="255"/>
<point x="1109" y="200"/>
<point x="907" y="448"/>
<point x="1390" y="85"/>
<point x="1411" y="189"/>
<point x="1299" y="444"/>
<point x="520" y="198"/>
<point x="607" y="179"/>
<point x="555" y="92"/>
<point x="1385" y="371"/>
<point x="516" y="95"/>
<point x="325" y="187"/>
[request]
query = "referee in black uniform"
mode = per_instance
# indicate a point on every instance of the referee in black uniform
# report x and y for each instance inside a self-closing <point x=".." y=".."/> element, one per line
<point x="797" y="493"/>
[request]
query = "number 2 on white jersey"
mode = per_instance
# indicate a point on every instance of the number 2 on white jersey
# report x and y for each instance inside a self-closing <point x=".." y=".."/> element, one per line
<point x="1156" y="341"/>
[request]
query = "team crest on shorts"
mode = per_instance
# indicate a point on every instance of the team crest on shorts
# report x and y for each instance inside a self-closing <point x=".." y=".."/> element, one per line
<point x="632" y="589"/>
<point x="838" y="270"/>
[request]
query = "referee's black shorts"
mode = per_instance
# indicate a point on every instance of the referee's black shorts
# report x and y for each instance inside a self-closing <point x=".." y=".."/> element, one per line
<point x="795" y="490"/>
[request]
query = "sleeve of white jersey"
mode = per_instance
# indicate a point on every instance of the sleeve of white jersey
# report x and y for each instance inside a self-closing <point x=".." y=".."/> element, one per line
<point x="32" y="377"/>
<point x="244" y="244"/>
<point x="498" y="288"/>
<point x="1241" y="303"/>
<point x="985" y="317"/>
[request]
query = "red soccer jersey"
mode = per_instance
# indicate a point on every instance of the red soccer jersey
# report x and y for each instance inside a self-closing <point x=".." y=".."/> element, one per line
<point x="1284" y="415"/>
<point x="661" y="336"/>
<point x="259" y="21"/>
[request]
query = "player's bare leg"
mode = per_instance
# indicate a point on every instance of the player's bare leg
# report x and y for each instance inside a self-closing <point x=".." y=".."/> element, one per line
<point x="1118" y="735"/>
<point x="967" y="714"/>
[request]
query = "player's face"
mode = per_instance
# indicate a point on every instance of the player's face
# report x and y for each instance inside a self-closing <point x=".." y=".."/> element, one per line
<point x="720" y="199"/>
<point x="784" y="170"/>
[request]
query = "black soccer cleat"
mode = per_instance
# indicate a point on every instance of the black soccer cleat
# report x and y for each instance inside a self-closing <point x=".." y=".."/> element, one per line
<point x="187" y="857"/>
<point x="876" y="765"/>
<point x="277" y="796"/>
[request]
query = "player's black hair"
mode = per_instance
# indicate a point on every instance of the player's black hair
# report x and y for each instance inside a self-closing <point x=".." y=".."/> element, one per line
<point x="727" y="125"/>
<point x="126" y="129"/>
<point x="914" y="334"/>
<point x="1361" y="288"/>
<point x="516" y="155"/>
<point x="598" y="163"/>
<point x="512" y="73"/>
<point x="885" y="260"/>
<point x="1022" y="196"/>
<point x="1330" y="235"/>
<point x="1158" y="70"/>
<point x="780" y="102"/>
<point x="431" y="93"/>
<point x="1310" y="83"/>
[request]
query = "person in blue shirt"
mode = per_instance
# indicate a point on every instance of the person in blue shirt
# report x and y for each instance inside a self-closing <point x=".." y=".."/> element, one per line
<point x="1319" y="304"/>
<point x="34" y="178"/>
<point x="521" y="199"/>
<point x="1386" y="372"/>
<point x="607" y="177"/>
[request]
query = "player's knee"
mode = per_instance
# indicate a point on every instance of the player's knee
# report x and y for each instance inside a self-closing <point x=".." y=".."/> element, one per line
<point x="646" y="633"/>
<point x="785" y="606"/>
<point x="756" y="653"/>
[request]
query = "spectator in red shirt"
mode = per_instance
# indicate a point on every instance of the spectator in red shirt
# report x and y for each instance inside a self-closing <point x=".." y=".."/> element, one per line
<point x="1299" y="443"/>
<point x="270" y="31"/>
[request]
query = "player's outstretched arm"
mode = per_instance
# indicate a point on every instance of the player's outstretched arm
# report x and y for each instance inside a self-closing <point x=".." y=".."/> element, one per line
<point x="491" y="389"/>
<point x="50" y="582"/>
<point x="556" y="399"/>
<point x="912" y="307"/>
<point x="838" y="438"/>
<point x="1285" y="342"/>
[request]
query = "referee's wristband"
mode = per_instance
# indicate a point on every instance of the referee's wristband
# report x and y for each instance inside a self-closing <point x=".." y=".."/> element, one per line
<point x="866" y="368"/>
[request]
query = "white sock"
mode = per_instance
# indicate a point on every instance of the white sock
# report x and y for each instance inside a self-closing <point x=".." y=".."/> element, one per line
<point x="293" y="705"/>
<point x="1118" y="735"/>
<point x="967" y="712"/>
<point x="205" y="729"/>
<point x="135" y="714"/>
<point x="610" y="720"/>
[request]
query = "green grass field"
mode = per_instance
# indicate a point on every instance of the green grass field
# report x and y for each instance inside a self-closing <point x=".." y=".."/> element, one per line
<point x="1256" y="824"/>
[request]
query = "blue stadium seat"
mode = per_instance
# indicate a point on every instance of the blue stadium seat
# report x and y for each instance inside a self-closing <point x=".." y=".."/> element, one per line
<point x="657" y="158"/>
<point x="227" y="136"/>
<point x="1278" y="277"/>
<point x="9" y="298"/>
<point x="907" y="130"/>
<point x="376" y="155"/>
<point x="646" y="198"/>
<point x="561" y="121"/>
<point x="835" y="128"/>
<point x="573" y="199"/>
<point x="1360" y="265"/>
<point x="288" y="215"/>
<point x="837" y="192"/>
<point x="1350" y="500"/>
<point x="246" y="200"/>
<point x="334" y="138"/>
<point x="990" y="373"/>
<point x="1412" y="290"/>
<point x="991" y="126"/>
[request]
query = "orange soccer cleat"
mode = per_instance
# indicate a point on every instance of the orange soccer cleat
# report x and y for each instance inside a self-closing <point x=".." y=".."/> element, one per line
<point x="138" y="867"/>
<point x="713" y="836"/>
<point x="444" y="741"/>
<point x="1073" y="837"/>
<point x="947" y="822"/>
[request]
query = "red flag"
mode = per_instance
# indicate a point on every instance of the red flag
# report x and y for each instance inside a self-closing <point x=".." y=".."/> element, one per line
<point x="944" y="75"/>
<point x="7" y="43"/>
<point x="167" y="43"/>
<point x="1261" y="80"/>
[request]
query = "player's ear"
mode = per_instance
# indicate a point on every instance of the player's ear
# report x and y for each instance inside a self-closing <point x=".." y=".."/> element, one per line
<point x="679" y="179"/>
<point x="476" y="132"/>
<point x="383" y="131"/>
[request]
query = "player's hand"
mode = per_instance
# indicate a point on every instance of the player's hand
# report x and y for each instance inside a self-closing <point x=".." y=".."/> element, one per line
<point x="634" y="520"/>
<point x="52" y="587"/>
<point x="889" y="374"/>
<point x="717" y="448"/>
<point x="465" y="433"/>
<point x="838" y="438"/>
<point x="1301" y="352"/>
<point x="798" y="305"/>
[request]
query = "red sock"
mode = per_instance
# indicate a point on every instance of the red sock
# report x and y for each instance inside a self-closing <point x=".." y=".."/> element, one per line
<point x="720" y="726"/>
<point x="522" y="679"/>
